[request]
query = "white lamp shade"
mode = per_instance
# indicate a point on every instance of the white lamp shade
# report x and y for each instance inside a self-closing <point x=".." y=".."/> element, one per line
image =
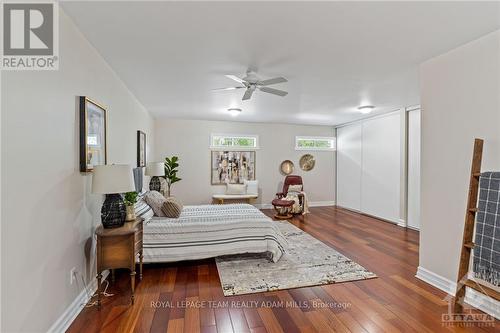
<point x="115" y="178"/>
<point x="155" y="169"/>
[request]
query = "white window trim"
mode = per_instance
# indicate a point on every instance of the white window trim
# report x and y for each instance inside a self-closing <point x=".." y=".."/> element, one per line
<point x="302" y="137"/>
<point x="233" y="135"/>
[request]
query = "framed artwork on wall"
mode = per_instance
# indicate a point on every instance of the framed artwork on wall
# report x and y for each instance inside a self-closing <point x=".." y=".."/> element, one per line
<point x="141" y="149"/>
<point x="232" y="167"/>
<point x="92" y="134"/>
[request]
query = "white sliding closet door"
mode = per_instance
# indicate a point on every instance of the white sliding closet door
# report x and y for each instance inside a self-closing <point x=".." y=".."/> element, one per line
<point x="414" y="169"/>
<point x="349" y="167"/>
<point x="381" y="167"/>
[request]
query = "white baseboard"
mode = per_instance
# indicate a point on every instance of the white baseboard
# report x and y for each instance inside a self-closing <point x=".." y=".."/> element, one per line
<point x="263" y="206"/>
<point x="350" y="209"/>
<point x="321" y="203"/>
<point x="393" y="221"/>
<point x="472" y="297"/>
<point x="69" y="315"/>
<point x="436" y="280"/>
<point x="311" y="204"/>
<point x="402" y="223"/>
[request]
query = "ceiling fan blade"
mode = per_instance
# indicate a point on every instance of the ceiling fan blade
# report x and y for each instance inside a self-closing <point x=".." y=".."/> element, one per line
<point x="235" y="78"/>
<point x="274" y="91"/>
<point x="272" y="81"/>
<point x="248" y="94"/>
<point x="229" y="88"/>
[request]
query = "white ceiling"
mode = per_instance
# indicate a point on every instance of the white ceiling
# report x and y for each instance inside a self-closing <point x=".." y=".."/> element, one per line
<point x="336" y="55"/>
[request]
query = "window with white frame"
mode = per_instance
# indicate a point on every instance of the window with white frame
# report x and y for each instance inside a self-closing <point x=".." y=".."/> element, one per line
<point x="314" y="143"/>
<point x="231" y="141"/>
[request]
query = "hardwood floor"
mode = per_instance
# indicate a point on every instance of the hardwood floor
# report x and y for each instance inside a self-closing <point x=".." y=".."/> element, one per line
<point x="187" y="297"/>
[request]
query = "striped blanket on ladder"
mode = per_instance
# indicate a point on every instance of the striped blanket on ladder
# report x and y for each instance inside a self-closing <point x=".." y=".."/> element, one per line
<point x="487" y="241"/>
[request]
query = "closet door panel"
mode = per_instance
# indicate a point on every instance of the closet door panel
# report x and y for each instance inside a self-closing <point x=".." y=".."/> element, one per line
<point x="381" y="165"/>
<point x="349" y="167"/>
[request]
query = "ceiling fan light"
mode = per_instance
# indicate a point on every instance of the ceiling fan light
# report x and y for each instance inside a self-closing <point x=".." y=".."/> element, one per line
<point x="234" y="111"/>
<point x="365" y="109"/>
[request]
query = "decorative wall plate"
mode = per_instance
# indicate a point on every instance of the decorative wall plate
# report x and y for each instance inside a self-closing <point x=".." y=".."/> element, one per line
<point x="307" y="162"/>
<point x="286" y="167"/>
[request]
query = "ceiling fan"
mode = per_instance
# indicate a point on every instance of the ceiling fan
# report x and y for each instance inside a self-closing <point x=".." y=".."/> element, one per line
<point x="252" y="82"/>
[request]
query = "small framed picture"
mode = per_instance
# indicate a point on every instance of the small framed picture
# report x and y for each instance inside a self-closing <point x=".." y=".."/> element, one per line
<point x="141" y="149"/>
<point x="92" y="134"/>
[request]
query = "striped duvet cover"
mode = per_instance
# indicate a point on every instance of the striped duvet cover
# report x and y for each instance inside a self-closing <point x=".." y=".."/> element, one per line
<point x="210" y="231"/>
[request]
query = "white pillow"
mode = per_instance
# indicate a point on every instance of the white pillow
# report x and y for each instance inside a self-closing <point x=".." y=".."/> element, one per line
<point x="236" y="189"/>
<point x="295" y="188"/>
<point x="252" y="186"/>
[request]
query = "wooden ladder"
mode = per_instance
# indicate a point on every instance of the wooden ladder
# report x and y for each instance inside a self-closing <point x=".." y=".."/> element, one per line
<point x="467" y="242"/>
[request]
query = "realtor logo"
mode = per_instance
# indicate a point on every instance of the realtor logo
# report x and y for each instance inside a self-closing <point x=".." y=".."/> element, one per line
<point x="30" y="36"/>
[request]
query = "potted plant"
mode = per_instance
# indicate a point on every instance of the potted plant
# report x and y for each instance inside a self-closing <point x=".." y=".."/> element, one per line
<point x="130" y="200"/>
<point x="171" y="166"/>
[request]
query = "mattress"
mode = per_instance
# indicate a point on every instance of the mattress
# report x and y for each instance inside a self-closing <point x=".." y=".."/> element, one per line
<point x="208" y="231"/>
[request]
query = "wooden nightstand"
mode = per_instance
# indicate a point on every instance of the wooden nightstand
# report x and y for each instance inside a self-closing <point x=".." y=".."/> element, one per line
<point x="118" y="248"/>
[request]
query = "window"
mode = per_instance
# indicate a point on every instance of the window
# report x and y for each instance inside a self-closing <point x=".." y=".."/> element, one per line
<point x="240" y="141"/>
<point x="314" y="143"/>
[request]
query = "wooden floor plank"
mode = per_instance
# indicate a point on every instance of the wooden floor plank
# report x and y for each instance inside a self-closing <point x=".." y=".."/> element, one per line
<point x="271" y="323"/>
<point x="326" y="319"/>
<point x="192" y="322"/>
<point x="208" y="329"/>
<point x="394" y="302"/>
<point x="175" y="326"/>
<point x="238" y="320"/>
<point x="162" y="313"/>
<point x="223" y="320"/>
<point x="297" y="315"/>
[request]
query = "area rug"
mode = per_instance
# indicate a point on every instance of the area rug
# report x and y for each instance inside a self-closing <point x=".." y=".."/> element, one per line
<point x="307" y="262"/>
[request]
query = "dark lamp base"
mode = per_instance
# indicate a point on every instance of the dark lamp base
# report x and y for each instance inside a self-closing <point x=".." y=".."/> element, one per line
<point x="113" y="211"/>
<point x="155" y="184"/>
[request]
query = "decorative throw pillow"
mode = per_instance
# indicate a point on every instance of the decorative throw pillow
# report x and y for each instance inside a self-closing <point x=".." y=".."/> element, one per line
<point x="172" y="207"/>
<point x="295" y="188"/>
<point x="236" y="189"/>
<point x="252" y="186"/>
<point x="155" y="199"/>
<point x="143" y="210"/>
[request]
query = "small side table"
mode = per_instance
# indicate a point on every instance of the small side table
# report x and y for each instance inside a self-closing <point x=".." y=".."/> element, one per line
<point x="118" y="248"/>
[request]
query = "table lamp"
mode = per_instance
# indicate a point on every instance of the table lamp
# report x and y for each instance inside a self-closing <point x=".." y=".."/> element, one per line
<point x="155" y="169"/>
<point x="112" y="180"/>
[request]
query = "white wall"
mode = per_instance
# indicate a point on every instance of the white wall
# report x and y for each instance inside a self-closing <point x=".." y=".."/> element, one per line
<point x="48" y="214"/>
<point x="414" y="169"/>
<point x="189" y="139"/>
<point x="369" y="166"/>
<point x="460" y="99"/>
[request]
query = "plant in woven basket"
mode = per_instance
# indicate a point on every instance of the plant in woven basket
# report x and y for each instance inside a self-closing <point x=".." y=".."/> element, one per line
<point x="171" y="170"/>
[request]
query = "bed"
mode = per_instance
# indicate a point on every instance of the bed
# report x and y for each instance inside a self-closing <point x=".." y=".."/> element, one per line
<point x="208" y="231"/>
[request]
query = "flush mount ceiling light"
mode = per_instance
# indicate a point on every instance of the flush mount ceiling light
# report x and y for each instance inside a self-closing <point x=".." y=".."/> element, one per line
<point x="365" y="109"/>
<point x="234" y="111"/>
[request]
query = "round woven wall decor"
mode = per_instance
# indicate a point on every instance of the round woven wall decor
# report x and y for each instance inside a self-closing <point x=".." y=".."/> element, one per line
<point x="286" y="167"/>
<point x="307" y="162"/>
